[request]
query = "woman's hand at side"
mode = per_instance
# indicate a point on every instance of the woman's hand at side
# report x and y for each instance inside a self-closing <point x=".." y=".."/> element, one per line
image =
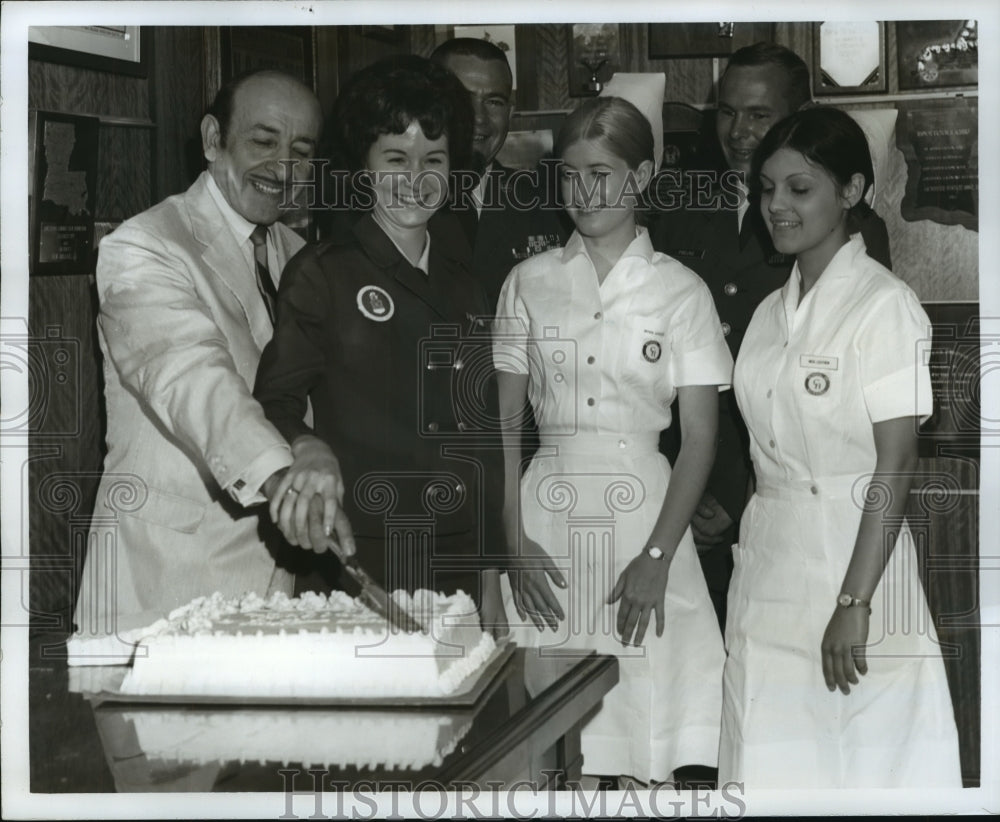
<point x="641" y="589"/>
<point x="529" y="573"/>
<point x="843" y="647"/>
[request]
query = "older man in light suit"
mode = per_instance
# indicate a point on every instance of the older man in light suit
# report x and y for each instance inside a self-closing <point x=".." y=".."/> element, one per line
<point x="186" y="305"/>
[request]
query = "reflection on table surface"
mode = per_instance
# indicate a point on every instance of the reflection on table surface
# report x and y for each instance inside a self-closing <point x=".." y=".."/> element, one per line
<point x="202" y="747"/>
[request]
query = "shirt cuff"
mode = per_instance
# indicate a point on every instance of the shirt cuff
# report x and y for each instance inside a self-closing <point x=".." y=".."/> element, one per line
<point x="905" y="393"/>
<point x="710" y="365"/>
<point x="246" y="489"/>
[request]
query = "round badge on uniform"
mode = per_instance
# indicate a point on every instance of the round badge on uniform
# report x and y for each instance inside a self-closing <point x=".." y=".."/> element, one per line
<point x="375" y="303"/>
<point x="651" y="351"/>
<point x="817" y="383"/>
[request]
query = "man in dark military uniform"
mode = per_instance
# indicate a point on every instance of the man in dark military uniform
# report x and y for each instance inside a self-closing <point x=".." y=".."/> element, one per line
<point x="507" y="215"/>
<point x="722" y="237"/>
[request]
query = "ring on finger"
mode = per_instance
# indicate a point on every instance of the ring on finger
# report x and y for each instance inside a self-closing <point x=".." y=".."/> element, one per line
<point x="292" y="491"/>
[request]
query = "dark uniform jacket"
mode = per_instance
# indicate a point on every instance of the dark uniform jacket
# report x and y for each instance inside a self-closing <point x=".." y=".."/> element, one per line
<point x="397" y="367"/>
<point x="740" y="267"/>
<point x="520" y="218"/>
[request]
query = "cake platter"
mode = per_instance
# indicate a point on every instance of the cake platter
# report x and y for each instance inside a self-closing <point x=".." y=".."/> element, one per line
<point x="467" y="694"/>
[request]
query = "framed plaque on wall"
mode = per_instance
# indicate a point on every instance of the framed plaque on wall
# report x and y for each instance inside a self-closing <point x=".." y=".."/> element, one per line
<point x="62" y="192"/>
<point x="849" y="58"/>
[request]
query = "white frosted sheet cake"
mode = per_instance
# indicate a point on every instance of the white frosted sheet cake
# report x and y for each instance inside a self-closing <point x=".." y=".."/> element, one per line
<point x="313" y="646"/>
<point x="392" y="740"/>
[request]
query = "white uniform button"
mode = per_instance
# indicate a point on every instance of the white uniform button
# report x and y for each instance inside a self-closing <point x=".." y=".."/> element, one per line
<point x="598" y="315"/>
<point x="622" y="443"/>
<point x="558" y="378"/>
<point x="730" y="289"/>
<point x="726" y="329"/>
<point x="590" y="360"/>
<point x="814" y="489"/>
<point x="590" y="400"/>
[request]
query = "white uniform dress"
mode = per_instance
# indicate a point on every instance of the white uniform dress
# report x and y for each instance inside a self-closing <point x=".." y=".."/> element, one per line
<point x="811" y="379"/>
<point x="604" y="364"/>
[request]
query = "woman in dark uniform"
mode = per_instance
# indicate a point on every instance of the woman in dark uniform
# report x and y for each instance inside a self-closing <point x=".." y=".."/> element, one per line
<point x="381" y="333"/>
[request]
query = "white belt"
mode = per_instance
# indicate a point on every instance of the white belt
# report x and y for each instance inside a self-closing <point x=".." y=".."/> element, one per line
<point x="633" y="444"/>
<point x="837" y="487"/>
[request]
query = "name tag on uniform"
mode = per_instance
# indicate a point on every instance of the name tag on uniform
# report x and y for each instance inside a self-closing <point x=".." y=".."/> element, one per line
<point x="818" y="361"/>
<point x="688" y="253"/>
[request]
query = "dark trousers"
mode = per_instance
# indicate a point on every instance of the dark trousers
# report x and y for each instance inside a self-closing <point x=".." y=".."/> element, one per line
<point x="717" y="565"/>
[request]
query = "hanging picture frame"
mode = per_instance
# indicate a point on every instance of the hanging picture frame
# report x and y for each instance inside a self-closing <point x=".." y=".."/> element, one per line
<point x="849" y="58"/>
<point x="118" y="49"/>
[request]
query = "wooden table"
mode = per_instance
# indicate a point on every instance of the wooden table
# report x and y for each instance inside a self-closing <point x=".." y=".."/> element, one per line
<point x="525" y="726"/>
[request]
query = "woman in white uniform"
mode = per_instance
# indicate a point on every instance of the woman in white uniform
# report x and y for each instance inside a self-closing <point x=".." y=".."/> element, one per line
<point x="601" y="336"/>
<point x="832" y="381"/>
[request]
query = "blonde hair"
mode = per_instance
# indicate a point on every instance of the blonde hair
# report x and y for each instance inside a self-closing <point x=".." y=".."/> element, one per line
<point x="618" y="125"/>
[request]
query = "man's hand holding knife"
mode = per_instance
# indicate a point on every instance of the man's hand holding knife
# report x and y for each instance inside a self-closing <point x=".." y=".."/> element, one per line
<point x="306" y="499"/>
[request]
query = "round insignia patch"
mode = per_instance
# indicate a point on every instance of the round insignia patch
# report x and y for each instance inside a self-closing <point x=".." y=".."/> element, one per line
<point x="375" y="303"/>
<point x="817" y="383"/>
<point x="651" y="351"/>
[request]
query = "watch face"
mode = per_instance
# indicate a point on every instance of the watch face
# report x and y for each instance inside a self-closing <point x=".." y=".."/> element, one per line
<point x="845" y="600"/>
<point x="654" y="552"/>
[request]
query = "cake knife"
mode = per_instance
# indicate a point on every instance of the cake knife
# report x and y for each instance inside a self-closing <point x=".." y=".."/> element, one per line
<point x="374" y="595"/>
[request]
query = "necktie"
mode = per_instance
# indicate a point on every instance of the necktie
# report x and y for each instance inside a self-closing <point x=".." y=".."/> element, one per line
<point x="264" y="282"/>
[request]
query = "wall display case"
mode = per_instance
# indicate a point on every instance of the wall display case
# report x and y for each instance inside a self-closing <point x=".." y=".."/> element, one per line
<point x="937" y="53"/>
<point x="285" y="48"/>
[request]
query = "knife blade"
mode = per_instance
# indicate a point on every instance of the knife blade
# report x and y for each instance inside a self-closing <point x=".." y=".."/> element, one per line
<point x="375" y="596"/>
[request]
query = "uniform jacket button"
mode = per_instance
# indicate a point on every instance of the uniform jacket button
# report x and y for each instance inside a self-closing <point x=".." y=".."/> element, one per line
<point x="432" y="426"/>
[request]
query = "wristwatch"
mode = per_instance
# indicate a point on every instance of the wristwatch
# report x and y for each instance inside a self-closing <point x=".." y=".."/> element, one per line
<point x="851" y="601"/>
<point x="655" y="552"/>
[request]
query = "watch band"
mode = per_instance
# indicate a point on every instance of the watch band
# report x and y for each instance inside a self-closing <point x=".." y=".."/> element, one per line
<point x="850" y="601"/>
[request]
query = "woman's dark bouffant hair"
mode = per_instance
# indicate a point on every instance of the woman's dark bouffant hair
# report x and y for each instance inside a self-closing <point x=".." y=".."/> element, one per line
<point x="828" y="138"/>
<point x="385" y="97"/>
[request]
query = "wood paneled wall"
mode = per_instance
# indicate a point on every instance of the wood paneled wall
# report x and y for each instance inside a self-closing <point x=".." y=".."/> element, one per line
<point x="66" y="447"/>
